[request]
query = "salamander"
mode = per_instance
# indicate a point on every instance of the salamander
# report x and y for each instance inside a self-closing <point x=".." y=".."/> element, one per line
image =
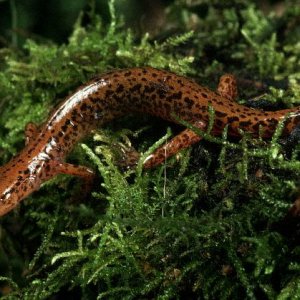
<point x="120" y="92"/>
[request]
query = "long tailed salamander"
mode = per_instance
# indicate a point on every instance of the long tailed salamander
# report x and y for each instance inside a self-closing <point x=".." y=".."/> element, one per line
<point x="115" y="94"/>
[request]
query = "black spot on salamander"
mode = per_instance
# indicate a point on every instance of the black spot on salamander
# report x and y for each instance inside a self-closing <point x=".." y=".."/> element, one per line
<point x="232" y="119"/>
<point x="189" y="102"/>
<point x="108" y="93"/>
<point x="180" y="82"/>
<point x="153" y="97"/>
<point x="263" y="123"/>
<point x="176" y="96"/>
<point x="220" y="114"/>
<point x="75" y="127"/>
<point x="149" y="89"/>
<point x="83" y="107"/>
<point x="66" y="137"/>
<point x="30" y="150"/>
<point x="74" y="112"/>
<point x="256" y="126"/>
<point x="74" y="118"/>
<point x="136" y="88"/>
<point x="120" y="88"/>
<point x="161" y="93"/>
<point x="272" y="122"/>
<point x="245" y="123"/>
<point x="218" y="122"/>
<point x="117" y="98"/>
<point x="94" y="99"/>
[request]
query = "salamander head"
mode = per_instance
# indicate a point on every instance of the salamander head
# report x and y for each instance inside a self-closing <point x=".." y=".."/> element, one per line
<point x="16" y="182"/>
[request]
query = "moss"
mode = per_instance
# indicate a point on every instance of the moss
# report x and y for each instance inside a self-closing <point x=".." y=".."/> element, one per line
<point x="209" y="223"/>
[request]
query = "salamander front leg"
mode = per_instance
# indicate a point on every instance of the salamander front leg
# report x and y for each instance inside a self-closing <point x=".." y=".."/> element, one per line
<point x="85" y="173"/>
<point x="181" y="141"/>
<point x="31" y="131"/>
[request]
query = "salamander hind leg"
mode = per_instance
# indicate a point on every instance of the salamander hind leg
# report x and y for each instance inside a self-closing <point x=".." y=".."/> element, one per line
<point x="181" y="141"/>
<point x="227" y="87"/>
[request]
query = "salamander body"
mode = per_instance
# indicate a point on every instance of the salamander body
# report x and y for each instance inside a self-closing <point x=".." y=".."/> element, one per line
<point x="118" y="93"/>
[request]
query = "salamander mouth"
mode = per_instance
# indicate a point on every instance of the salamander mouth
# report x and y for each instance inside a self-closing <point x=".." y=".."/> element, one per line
<point x="6" y="194"/>
<point x="13" y="189"/>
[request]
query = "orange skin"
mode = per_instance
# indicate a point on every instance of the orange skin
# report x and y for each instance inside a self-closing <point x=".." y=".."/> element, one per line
<point x="117" y="93"/>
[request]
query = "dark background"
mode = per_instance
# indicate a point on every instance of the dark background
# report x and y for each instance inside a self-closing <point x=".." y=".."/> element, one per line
<point x="53" y="20"/>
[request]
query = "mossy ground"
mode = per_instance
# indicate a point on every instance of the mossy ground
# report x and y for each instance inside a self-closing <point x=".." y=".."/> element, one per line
<point x="208" y="224"/>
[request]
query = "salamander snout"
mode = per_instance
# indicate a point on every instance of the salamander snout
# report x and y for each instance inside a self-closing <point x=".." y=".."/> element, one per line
<point x="13" y="187"/>
<point x="9" y="198"/>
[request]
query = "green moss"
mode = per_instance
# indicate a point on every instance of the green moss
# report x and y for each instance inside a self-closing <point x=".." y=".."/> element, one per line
<point x="208" y="224"/>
